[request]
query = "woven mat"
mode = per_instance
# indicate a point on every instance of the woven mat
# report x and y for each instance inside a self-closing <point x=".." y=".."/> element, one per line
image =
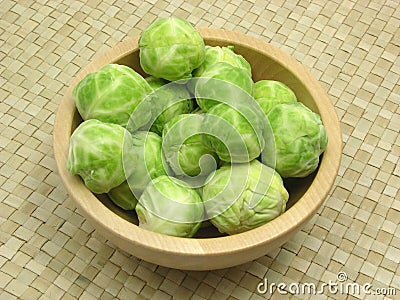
<point x="49" y="251"/>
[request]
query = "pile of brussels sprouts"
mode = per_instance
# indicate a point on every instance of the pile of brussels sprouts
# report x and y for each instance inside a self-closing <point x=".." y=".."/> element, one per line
<point x="195" y="141"/>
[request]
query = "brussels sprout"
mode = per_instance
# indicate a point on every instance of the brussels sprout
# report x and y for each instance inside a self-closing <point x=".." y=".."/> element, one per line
<point x="184" y="148"/>
<point x="96" y="154"/>
<point x="168" y="101"/>
<point x="147" y="161"/>
<point x="171" y="48"/>
<point x="269" y="93"/>
<point x="169" y="206"/>
<point x="236" y="134"/>
<point x="111" y="94"/>
<point x="300" y="139"/>
<point x="217" y="54"/>
<point x="210" y="90"/>
<point x="123" y="197"/>
<point x="240" y="197"/>
<point x="155" y="83"/>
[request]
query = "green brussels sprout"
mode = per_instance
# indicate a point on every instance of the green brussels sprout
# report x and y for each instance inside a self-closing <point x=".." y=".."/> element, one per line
<point x="209" y="90"/>
<point x="300" y="138"/>
<point x="111" y="94"/>
<point x="171" y="48"/>
<point x="269" y="93"/>
<point x="155" y="83"/>
<point x="148" y="161"/>
<point x="169" y="206"/>
<point x="123" y="197"/>
<point x="236" y="133"/>
<point x="148" y="164"/>
<point x="240" y="197"/>
<point x="217" y="54"/>
<point x="184" y="148"/>
<point x="168" y="101"/>
<point x="96" y="154"/>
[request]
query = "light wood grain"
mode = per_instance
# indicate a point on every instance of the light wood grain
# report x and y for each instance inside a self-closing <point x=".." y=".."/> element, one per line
<point x="267" y="62"/>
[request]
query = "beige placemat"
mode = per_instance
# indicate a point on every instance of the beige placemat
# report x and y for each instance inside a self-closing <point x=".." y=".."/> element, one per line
<point x="49" y="251"/>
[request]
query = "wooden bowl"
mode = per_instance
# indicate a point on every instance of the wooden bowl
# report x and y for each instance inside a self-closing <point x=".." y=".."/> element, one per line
<point x="208" y="250"/>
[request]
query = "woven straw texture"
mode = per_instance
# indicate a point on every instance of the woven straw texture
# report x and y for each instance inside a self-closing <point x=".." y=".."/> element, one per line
<point x="49" y="251"/>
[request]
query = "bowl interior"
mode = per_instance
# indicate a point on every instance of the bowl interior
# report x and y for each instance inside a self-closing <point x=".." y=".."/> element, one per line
<point x="263" y="67"/>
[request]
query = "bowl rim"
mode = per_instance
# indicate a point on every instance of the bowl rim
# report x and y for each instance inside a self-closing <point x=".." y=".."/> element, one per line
<point x="115" y="227"/>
